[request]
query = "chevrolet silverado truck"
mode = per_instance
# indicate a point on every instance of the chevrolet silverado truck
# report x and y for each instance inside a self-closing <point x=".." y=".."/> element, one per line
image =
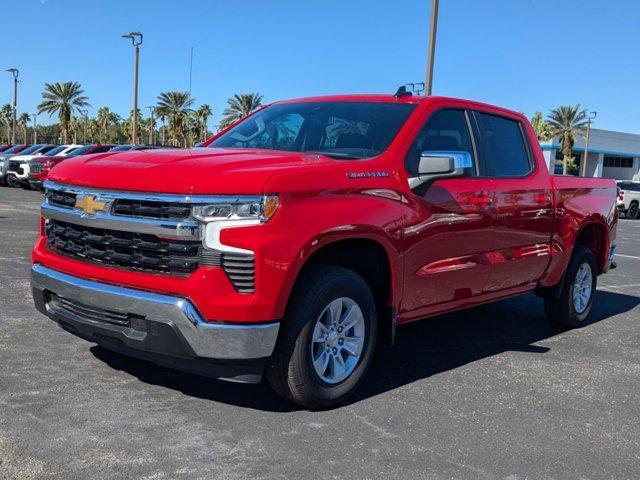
<point x="296" y="241"/>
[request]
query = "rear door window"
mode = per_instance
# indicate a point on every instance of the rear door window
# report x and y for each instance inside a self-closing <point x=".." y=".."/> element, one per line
<point x="503" y="146"/>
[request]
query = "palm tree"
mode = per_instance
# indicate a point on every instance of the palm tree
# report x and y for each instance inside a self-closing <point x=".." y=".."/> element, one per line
<point x="176" y="106"/>
<point x="541" y="127"/>
<point x="239" y="106"/>
<point x="202" y="114"/>
<point x="567" y="122"/>
<point x="6" y="116"/>
<point x="64" y="99"/>
<point x="74" y="126"/>
<point x="23" y="121"/>
<point x="106" y="117"/>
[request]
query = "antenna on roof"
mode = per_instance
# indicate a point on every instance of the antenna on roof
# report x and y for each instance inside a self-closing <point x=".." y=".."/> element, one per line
<point x="415" y="88"/>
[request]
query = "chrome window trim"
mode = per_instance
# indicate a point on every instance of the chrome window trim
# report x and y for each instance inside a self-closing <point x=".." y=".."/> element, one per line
<point x="157" y="197"/>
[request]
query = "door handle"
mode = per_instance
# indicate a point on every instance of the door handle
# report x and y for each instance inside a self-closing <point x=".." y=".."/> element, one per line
<point x="542" y="198"/>
<point x="482" y="200"/>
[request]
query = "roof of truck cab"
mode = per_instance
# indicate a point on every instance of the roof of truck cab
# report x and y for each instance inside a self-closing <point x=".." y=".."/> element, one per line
<point x="386" y="98"/>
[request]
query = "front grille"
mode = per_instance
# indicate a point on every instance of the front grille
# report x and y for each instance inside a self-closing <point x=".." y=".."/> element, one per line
<point x="240" y="268"/>
<point x="60" y="198"/>
<point x="36" y="167"/>
<point x="92" y="313"/>
<point x="123" y="249"/>
<point x="151" y="209"/>
<point x="14" y="166"/>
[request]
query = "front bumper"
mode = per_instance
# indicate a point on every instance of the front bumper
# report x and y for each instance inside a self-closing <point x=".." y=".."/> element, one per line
<point x="164" y="329"/>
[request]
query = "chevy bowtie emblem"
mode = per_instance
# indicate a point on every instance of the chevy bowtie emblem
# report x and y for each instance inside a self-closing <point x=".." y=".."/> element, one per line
<point x="89" y="204"/>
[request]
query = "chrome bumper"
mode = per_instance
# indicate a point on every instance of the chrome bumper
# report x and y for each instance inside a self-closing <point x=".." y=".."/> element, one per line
<point x="53" y="290"/>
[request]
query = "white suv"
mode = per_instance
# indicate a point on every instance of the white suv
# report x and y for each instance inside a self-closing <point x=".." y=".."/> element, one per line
<point x="629" y="198"/>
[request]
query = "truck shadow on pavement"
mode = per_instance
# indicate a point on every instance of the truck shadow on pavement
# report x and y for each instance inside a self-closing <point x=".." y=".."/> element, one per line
<point x="422" y="349"/>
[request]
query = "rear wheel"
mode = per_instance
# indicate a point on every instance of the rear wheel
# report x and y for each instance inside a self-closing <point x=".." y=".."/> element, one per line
<point x="12" y="182"/>
<point x="573" y="305"/>
<point x="632" y="213"/>
<point x="327" y="339"/>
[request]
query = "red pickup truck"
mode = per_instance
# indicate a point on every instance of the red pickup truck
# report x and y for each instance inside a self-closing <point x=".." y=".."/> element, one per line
<point x="296" y="240"/>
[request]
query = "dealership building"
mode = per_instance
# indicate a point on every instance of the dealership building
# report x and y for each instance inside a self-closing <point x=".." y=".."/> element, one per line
<point x="610" y="154"/>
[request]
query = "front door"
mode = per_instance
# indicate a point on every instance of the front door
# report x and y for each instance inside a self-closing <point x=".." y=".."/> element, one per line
<point x="447" y="224"/>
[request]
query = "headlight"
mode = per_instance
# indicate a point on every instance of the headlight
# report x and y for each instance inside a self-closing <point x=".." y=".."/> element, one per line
<point x="259" y="208"/>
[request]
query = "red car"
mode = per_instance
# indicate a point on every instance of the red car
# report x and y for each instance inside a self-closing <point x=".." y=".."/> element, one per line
<point x="298" y="239"/>
<point x="41" y="166"/>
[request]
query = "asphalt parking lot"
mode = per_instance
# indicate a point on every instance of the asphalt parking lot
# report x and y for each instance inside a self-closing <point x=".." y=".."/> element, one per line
<point x="494" y="392"/>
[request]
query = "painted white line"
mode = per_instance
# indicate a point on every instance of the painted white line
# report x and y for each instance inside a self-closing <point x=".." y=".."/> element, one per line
<point x="627" y="256"/>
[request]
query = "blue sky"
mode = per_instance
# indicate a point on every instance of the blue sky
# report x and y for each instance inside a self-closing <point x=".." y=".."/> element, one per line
<point x="527" y="55"/>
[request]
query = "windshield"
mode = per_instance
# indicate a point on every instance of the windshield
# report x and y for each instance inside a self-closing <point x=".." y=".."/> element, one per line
<point x="54" y="151"/>
<point x="13" y="149"/>
<point x="121" y="148"/>
<point x="343" y="130"/>
<point x="31" y="149"/>
<point x="80" y="150"/>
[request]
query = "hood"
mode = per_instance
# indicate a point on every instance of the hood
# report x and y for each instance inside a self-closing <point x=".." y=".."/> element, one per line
<point x="192" y="171"/>
<point x="25" y="158"/>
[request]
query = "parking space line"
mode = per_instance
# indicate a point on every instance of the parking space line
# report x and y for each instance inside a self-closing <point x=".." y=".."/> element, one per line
<point x="627" y="256"/>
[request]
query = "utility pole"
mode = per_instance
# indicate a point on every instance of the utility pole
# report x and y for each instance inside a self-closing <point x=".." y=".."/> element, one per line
<point x="162" y="120"/>
<point x="136" y="41"/>
<point x="14" y="72"/>
<point x="85" y="116"/>
<point x="432" y="46"/>
<point x="35" y="132"/>
<point x="152" y="110"/>
<point x="583" y="165"/>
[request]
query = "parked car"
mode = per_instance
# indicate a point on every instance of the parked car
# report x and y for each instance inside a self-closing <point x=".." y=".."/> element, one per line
<point x="4" y="157"/>
<point x="18" y="168"/>
<point x="629" y="198"/>
<point x="298" y="239"/>
<point x="40" y="166"/>
<point x="5" y="147"/>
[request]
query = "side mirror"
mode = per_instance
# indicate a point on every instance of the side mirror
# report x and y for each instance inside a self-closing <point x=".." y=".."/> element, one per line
<point x="437" y="164"/>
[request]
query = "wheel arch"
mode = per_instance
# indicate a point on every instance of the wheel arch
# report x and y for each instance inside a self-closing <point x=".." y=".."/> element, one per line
<point x="370" y="256"/>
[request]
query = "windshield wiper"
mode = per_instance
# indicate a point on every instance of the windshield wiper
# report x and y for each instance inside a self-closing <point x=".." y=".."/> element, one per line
<point x="334" y="154"/>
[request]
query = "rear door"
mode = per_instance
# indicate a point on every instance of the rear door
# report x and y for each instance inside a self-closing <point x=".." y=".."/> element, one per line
<point x="522" y="202"/>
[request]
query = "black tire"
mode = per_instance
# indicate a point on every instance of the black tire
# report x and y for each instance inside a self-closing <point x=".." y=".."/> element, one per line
<point x="11" y="182"/>
<point x="632" y="213"/>
<point x="25" y="186"/>
<point x="290" y="369"/>
<point x="562" y="310"/>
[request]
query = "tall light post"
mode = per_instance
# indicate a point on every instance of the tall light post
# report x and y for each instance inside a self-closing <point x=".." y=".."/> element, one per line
<point x="583" y="165"/>
<point x="431" y="51"/>
<point x="153" y="111"/>
<point x="14" y="72"/>
<point x="35" y="132"/>
<point x="85" y="116"/>
<point x="136" y="41"/>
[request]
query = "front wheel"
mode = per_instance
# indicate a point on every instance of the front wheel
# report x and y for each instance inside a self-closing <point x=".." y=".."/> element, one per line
<point x="573" y="305"/>
<point x="632" y="213"/>
<point x="327" y="339"/>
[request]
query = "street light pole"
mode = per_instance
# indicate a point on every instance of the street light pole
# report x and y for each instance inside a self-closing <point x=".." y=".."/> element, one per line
<point x="35" y="132"/>
<point x="136" y="41"/>
<point x="85" y="116"/>
<point x="583" y="165"/>
<point x="152" y="110"/>
<point x="432" y="46"/>
<point x="14" y="72"/>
